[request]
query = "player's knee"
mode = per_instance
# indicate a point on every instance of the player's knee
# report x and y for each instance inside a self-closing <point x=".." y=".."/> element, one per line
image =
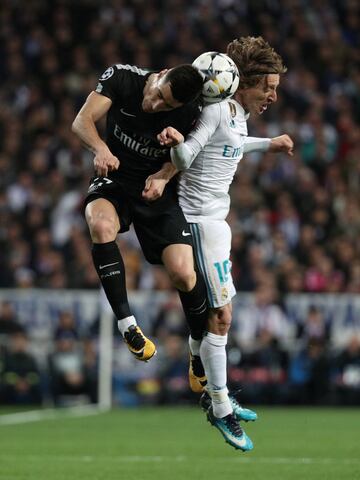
<point x="102" y="230"/>
<point x="220" y="320"/>
<point x="183" y="278"/>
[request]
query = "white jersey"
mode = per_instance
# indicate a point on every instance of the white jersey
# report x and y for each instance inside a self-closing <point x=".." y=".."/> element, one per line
<point x="209" y="158"/>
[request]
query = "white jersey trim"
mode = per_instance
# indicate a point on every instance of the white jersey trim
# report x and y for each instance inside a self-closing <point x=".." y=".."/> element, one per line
<point x="132" y="68"/>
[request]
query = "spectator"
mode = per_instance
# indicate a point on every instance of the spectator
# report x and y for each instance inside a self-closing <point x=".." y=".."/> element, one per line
<point x="19" y="375"/>
<point x="8" y="321"/>
<point x="347" y="372"/>
<point x="309" y="374"/>
<point x="262" y="315"/>
<point x="69" y="374"/>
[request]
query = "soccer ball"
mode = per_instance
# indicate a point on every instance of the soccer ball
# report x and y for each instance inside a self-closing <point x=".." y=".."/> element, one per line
<point x="220" y="74"/>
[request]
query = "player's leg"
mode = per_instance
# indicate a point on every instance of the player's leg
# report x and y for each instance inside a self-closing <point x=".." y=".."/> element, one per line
<point x="165" y="238"/>
<point x="213" y="356"/>
<point x="212" y="240"/>
<point x="178" y="260"/>
<point x="104" y="224"/>
<point x="179" y="263"/>
<point x="221" y="412"/>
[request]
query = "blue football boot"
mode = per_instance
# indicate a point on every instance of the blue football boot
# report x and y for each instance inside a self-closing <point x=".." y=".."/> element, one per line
<point x="230" y="429"/>
<point x="241" y="414"/>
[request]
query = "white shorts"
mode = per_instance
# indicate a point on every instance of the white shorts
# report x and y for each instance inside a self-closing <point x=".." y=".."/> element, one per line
<point x="212" y="244"/>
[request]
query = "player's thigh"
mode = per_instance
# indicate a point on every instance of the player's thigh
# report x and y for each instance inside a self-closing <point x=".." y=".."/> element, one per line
<point x="160" y="225"/>
<point x="102" y="219"/>
<point x="212" y="245"/>
<point x="178" y="259"/>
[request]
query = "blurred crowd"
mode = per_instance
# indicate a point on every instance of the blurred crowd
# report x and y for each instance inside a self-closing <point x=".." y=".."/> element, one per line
<point x="295" y="221"/>
<point x="272" y="361"/>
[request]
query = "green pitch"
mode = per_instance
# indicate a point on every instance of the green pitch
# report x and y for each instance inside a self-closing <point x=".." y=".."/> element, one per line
<point x="178" y="444"/>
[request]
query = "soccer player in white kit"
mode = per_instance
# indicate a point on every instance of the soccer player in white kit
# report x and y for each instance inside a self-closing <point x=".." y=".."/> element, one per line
<point x="208" y="159"/>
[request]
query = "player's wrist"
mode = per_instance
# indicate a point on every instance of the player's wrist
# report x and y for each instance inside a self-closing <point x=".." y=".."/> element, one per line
<point x="101" y="149"/>
<point x="168" y="170"/>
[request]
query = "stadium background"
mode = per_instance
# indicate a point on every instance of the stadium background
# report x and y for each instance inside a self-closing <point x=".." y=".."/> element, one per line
<point x="295" y="222"/>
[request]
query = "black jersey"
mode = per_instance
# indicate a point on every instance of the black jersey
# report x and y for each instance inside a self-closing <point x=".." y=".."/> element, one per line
<point x="131" y="132"/>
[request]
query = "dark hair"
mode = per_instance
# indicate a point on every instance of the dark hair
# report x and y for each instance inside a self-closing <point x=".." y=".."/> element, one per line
<point x="254" y="58"/>
<point x="186" y="82"/>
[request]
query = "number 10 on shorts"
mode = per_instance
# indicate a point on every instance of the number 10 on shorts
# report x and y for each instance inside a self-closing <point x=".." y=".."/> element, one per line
<point x="223" y="270"/>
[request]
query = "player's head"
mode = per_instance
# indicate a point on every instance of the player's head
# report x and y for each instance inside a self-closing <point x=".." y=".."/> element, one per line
<point x="259" y="68"/>
<point x="170" y="89"/>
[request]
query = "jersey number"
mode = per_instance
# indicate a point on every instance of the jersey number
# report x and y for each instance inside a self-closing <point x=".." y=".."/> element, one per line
<point x="223" y="270"/>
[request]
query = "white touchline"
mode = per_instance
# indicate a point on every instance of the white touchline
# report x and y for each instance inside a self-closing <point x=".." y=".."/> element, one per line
<point x="108" y="265"/>
<point x="183" y="458"/>
<point x="49" y="414"/>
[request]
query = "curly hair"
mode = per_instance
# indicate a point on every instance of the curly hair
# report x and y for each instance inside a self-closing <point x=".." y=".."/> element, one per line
<point x="254" y="58"/>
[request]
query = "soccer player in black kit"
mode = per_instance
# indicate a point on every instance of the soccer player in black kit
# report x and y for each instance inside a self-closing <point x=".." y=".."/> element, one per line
<point x="131" y="169"/>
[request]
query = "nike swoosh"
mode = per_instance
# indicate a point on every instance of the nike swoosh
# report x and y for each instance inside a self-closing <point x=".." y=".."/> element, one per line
<point x="108" y="265"/>
<point x="242" y="442"/>
<point x="126" y="113"/>
<point x="184" y="234"/>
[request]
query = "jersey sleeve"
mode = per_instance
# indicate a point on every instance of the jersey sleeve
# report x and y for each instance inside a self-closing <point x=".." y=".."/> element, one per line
<point x="254" y="144"/>
<point x="184" y="154"/>
<point x="111" y="84"/>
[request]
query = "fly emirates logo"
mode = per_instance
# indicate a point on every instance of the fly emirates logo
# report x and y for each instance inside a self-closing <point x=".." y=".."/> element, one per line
<point x="139" y="144"/>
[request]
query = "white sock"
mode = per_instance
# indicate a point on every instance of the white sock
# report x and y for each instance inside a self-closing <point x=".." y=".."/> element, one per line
<point x="194" y="346"/>
<point x="125" y="323"/>
<point x="213" y="357"/>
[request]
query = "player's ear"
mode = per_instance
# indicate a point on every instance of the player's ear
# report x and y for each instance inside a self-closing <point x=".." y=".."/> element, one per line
<point x="162" y="73"/>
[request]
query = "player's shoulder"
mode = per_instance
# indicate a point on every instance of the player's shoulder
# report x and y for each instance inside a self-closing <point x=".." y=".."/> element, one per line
<point x="123" y="70"/>
<point x="212" y="110"/>
<point x="225" y="107"/>
<point x="121" y="79"/>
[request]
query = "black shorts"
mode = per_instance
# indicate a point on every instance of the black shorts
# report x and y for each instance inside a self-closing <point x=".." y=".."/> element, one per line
<point x="157" y="224"/>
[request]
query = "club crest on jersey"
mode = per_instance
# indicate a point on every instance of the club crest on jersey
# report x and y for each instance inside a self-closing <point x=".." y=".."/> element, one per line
<point x="224" y="294"/>
<point x="232" y="109"/>
<point x="107" y="74"/>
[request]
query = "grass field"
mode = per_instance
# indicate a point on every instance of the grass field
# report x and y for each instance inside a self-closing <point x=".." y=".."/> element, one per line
<point x="177" y="443"/>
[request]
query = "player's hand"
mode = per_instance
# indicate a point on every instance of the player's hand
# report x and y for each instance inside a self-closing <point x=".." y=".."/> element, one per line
<point x="283" y="143"/>
<point x="154" y="187"/>
<point x="105" y="162"/>
<point x="170" y="137"/>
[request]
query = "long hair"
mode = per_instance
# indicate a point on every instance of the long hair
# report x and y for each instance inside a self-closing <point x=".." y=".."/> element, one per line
<point x="254" y="58"/>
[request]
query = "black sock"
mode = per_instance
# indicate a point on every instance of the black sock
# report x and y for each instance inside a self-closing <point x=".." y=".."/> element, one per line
<point x="110" y="268"/>
<point x="195" y="307"/>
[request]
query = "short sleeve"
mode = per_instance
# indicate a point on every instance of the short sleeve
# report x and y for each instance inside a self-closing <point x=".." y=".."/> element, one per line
<point x="111" y="83"/>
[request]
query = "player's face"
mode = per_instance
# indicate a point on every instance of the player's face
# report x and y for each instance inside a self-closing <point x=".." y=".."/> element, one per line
<point x="158" y="96"/>
<point x="257" y="99"/>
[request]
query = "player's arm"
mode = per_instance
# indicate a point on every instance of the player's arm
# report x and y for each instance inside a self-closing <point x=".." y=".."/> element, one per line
<point x="84" y="125"/>
<point x="183" y="152"/>
<point x="156" y="183"/>
<point x="283" y="143"/>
